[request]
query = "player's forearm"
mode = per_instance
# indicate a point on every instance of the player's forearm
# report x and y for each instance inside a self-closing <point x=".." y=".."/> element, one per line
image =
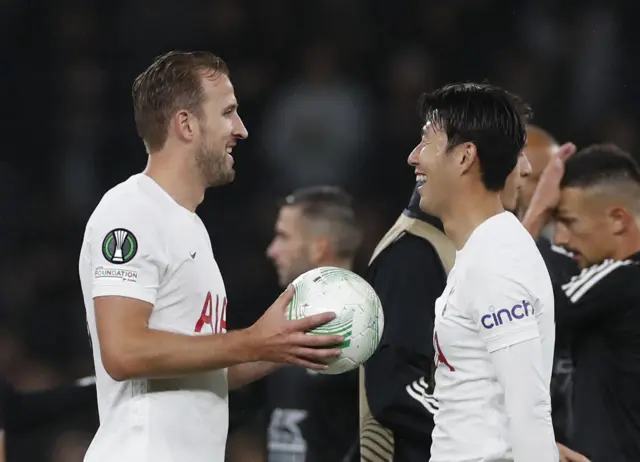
<point x="243" y="374"/>
<point x="155" y="353"/>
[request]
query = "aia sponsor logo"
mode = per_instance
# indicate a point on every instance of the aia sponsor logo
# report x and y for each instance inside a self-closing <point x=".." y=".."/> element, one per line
<point x="213" y="318"/>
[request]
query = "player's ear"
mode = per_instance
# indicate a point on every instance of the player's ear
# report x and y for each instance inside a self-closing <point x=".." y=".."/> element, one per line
<point x="466" y="155"/>
<point x="619" y="219"/>
<point x="185" y="125"/>
<point x="318" y="249"/>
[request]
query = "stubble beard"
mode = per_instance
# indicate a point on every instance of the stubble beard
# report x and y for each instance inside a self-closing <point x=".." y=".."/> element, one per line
<point x="214" y="166"/>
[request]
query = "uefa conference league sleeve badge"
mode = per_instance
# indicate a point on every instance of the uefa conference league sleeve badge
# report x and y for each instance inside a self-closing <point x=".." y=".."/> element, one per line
<point x="119" y="246"/>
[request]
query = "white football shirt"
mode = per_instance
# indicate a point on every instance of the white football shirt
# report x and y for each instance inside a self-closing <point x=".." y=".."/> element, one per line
<point x="140" y="243"/>
<point x="498" y="300"/>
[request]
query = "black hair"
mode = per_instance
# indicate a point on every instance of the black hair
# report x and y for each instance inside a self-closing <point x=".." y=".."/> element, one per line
<point x="600" y="163"/>
<point x="487" y="116"/>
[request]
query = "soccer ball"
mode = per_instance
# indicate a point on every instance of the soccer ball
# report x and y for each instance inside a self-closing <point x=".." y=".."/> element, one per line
<point x="359" y="316"/>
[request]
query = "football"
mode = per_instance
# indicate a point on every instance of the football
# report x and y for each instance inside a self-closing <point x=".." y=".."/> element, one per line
<point x="359" y="316"/>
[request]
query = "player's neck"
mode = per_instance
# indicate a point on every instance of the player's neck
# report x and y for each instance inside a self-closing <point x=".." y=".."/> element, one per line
<point x="628" y="246"/>
<point x="337" y="263"/>
<point x="179" y="181"/>
<point x="465" y="215"/>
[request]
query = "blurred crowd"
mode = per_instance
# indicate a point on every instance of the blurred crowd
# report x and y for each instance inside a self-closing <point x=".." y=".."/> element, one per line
<point x="328" y="91"/>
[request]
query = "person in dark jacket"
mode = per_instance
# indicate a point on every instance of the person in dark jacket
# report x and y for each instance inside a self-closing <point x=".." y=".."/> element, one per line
<point x="594" y="197"/>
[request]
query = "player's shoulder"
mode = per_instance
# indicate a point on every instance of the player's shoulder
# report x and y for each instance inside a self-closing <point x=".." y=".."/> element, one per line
<point x="500" y="244"/>
<point x="500" y="234"/>
<point x="516" y="264"/>
<point x="126" y="199"/>
<point x="611" y="277"/>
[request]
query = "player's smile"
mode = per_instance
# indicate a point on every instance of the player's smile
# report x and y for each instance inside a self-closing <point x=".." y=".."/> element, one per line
<point x="421" y="178"/>
<point x="229" y="152"/>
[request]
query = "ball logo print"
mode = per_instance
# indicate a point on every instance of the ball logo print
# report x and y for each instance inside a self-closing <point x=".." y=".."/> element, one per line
<point x="497" y="318"/>
<point x="119" y="246"/>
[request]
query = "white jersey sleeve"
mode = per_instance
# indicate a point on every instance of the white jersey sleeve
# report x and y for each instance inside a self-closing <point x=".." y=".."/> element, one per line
<point x="503" y="311"/>
<point x="126" y="251"/>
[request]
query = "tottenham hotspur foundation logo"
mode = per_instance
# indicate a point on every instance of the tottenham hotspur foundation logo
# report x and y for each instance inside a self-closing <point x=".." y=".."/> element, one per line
<point x="119" y="246"/>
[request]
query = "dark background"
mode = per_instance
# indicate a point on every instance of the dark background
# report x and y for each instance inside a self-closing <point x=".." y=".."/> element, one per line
<point x="328" y="90"/>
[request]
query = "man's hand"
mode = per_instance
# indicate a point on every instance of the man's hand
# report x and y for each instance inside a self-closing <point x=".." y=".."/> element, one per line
<point x="280" y="340"/>
<point x="568" y="455"/>
<point x="547" y="194"/>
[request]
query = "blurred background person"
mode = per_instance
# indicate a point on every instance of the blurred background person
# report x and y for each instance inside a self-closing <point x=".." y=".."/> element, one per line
<point x="312" y="417"/>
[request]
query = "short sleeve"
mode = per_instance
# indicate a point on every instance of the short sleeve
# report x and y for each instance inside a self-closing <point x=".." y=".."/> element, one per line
<point x="503" y="311"/>
<point x="126" y="253"/>
<point x="600" y="293"/>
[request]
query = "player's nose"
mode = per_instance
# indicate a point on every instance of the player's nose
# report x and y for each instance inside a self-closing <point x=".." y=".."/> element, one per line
<point x="561" y="235"/>
<point x="272" y="251"/>
<point x="525" y="165"/>
<point x="240" y="131"/>
<point x="414" y="156"/>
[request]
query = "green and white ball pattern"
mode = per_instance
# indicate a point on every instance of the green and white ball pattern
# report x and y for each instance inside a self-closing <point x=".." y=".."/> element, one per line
<point x="359" y="316"/>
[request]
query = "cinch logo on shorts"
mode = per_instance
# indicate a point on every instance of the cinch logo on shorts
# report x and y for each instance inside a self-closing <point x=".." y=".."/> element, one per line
<point x="498" y="318"/>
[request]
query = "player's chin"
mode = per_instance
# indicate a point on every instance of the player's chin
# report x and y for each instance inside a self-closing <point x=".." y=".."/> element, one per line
<point x="582" y="262"/>
<point x="509" y="197"/>
<point x="425" y="206"/>
<point x="284" y="278"/>
<point x="510" y="206"/>
<point x="222" y="179"/>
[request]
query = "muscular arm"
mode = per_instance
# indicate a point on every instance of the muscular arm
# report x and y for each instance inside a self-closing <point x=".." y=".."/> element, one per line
<point x="124" y="295"/>
<point x="130" y="349"/>
<point x="519" y="371"/>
